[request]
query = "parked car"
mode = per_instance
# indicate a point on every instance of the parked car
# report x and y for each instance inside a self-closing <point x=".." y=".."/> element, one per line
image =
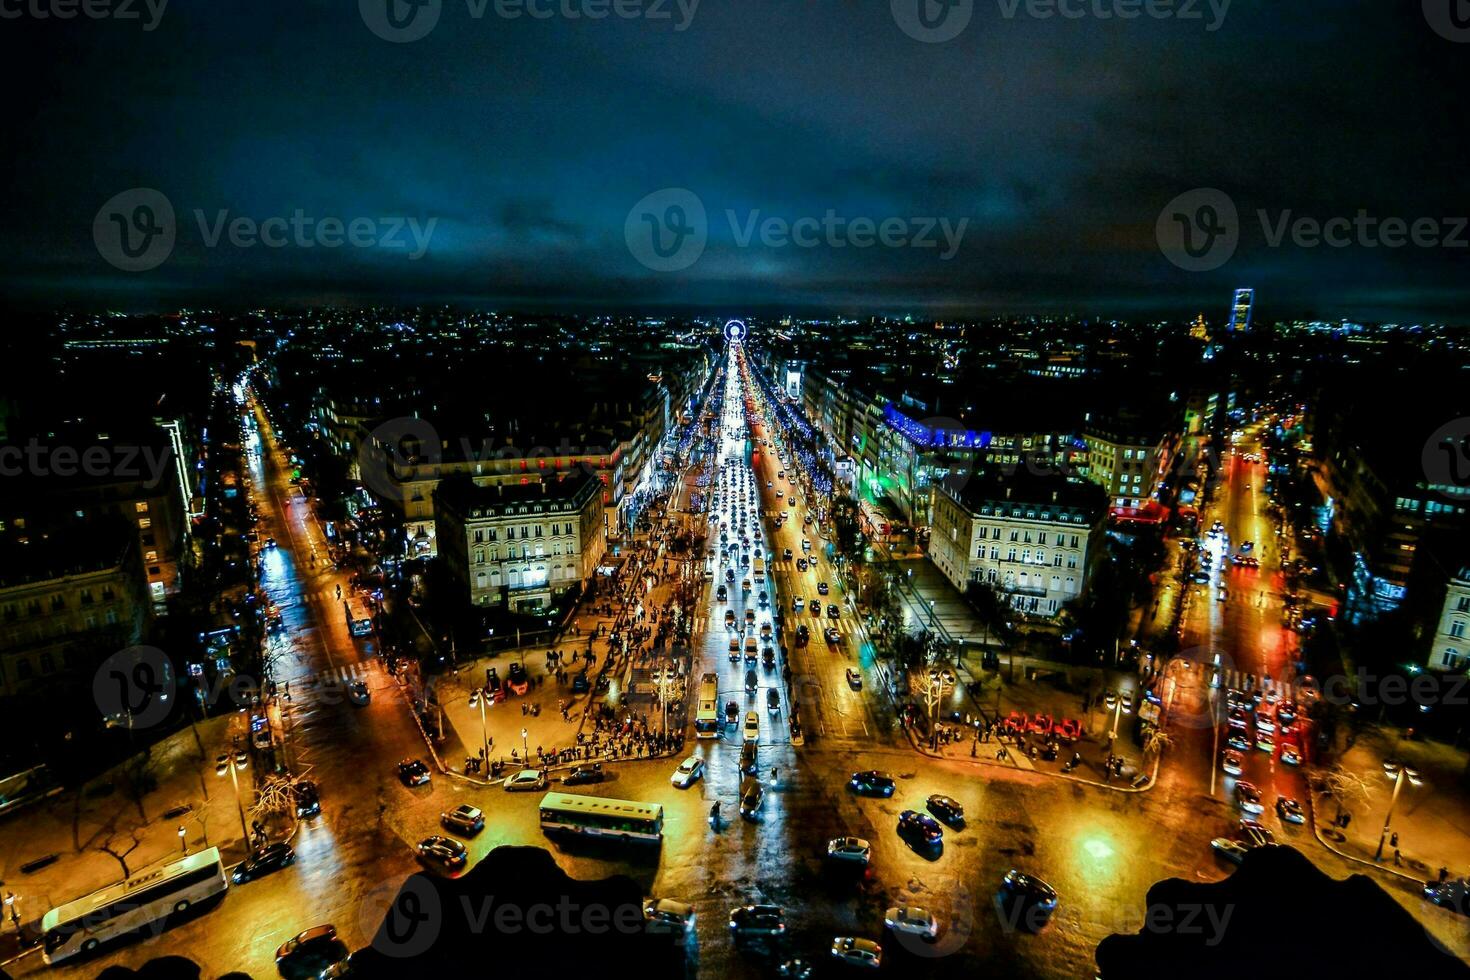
<point x="272" y="857"/>
<point x="463" y="819"/>
<point x="526" y="779"/>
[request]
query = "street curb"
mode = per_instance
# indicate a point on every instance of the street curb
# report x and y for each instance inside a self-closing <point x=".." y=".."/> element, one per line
<point x="1317" y="832"/>
<point x="979" y="760"/>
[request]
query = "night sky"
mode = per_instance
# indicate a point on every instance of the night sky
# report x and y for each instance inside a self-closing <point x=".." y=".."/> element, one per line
<point x="528" y="142"/>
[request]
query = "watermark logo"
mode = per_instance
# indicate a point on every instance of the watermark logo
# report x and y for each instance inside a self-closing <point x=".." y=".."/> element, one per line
<point x="1450" y="19"/>
<point x="1199" y="230"/>
<point x="403" y="920"/>
<point x="135" y="230"/>
<point x="134" y="687"/>
<point x="667" y="230"/>
<point x="90" y="9"/>
<point x="394" y="443"/>
<point x="1446" y="459"/>
<point x="400" y="21"/>
<point x="1180" y="10"/>
<point x="932" y="21"/>
<point x="149" y="464"/>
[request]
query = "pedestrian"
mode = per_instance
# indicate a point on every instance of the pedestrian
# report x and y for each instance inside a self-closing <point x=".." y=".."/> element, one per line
<point x="1397" y="858"/>
<point x="1393" y="840"/>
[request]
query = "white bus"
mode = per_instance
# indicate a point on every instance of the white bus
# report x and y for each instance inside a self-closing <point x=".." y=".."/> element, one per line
<point x="707" y="717"/>
<point x="359" y="619"/>
<point x="595" y="816"/>
<point x="129" y="906"/>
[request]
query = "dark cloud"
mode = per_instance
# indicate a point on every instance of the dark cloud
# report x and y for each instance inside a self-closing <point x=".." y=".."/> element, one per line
<point x="528" y="141"/>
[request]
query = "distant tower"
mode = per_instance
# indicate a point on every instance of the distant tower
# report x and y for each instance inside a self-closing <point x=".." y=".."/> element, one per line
<point x="1198" y="330"/>
<point x="1240" y="313"/>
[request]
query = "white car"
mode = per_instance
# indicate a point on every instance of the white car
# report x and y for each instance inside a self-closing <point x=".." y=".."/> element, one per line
<point x="1234" y="763"/>
<point x="857" y="952"/>
<point x="912" y="920"/>
<point x="1248" y="797"/>
<point x="688" y="773"/>
<point x="752" y="726"/>
<point x="1291" y="755"/>
<point x="1231" y="850"/>
<point x="849" y="849"/>
<point x="526" y="779"/>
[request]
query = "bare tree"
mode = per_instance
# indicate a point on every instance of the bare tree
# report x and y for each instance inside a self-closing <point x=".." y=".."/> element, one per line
<point x="277" y="795"/>
<point x="140" y="776"/>
<point x="117" y="843"/>
<point x="1157" y="741"/>
<point x="1347" y="788"/>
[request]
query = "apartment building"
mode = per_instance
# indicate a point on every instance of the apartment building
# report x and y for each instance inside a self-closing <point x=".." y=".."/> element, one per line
<point x="520" y="545"/>
<point x="1450" y="646"/>
<point x="1036" y="538"/>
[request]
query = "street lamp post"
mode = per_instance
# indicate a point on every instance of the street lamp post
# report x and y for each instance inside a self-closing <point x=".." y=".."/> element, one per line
<point x="525" y="748"/>
<point x="183" y="840"/>
<point x="484" y="732"/>
<point x="234" y="768"/>
<point x="1398" y="785"/>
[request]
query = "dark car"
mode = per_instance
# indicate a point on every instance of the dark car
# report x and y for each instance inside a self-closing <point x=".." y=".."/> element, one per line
<point x="446" y="852"/>
<point x="872" y="782"/>
<point x="757" y="920"/>
<point x="946" y="809"/>
<point x="580" y="684"/>
<point x="1454" y="895"/>
<point x="1026" y="900"/>
<point x="412" y="772"/>
<point x="919" y="829"/>
<point x="584" y="774"/>
<point x="311" y="953"/>
<point x="748" y="763"/>
<point x="308" y="799"/>
<point x="732" y="713"/>
<point x="272" y="857"/>
<point x="517" y="678"/>
<point x="751" y="683"/>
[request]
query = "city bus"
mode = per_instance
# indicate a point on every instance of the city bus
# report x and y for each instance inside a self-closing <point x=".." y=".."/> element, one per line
<point x="141" y="901"/>
<point x="359" y="619"/>
<point x="707" y="718"/>
<point x="595" y="816"/>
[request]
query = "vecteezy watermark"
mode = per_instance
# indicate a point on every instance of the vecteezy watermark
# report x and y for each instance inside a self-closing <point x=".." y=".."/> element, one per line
<point x="402" y="920"/>
<point x="396" y="443"/>
<point x="667" y="231"/>
<point x="403" y="21"/>
<point x="149" y="464"/>
<point x="1200" y="230"/>
<point x="406" y="921"/>
<point x="1207" y="920"/>
<point x="932" y="21"/>
<point x="1446" y="459"/>
<point x="149" y="12"/>
<point x="937" y="21"/>
<point x="1450" y="19"/>
<point x="134" y="687"/>
<point x="136" y="231"/>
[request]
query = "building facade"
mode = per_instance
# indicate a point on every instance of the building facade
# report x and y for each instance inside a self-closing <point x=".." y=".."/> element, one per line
<point x="1035" y="539"/>
<point x="1450" y="648"/>
<point x="66" y="604"/>
<point x="520" y="546"/>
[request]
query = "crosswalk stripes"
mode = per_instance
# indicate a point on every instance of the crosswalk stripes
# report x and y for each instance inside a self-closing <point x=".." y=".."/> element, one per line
<point x="716" y="623"/>
<point x="1240" y="680"/>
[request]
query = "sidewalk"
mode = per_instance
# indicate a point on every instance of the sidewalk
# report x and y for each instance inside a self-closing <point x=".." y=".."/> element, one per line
<point x="77" y="829"/>
<point x="1428" y="817"/>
